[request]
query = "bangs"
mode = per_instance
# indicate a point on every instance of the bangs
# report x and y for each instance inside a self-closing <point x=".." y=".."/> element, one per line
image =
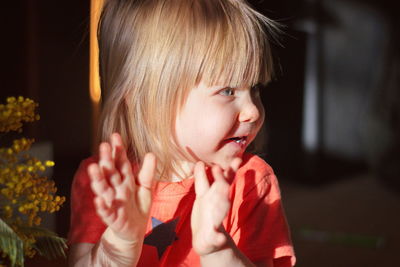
<point x="234" y="50"/>
<point x="153" y="52"/>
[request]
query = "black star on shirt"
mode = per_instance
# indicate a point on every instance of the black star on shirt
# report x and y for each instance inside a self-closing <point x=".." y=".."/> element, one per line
<point x="162" y="235"/>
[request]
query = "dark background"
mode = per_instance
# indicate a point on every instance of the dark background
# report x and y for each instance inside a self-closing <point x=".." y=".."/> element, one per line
<point x="337" y="68"/>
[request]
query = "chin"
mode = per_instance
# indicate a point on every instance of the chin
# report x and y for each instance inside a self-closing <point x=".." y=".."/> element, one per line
<point x="225" y="162"/>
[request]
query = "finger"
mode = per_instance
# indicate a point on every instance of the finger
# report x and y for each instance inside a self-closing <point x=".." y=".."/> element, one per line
<point x="99" y="184"/>
<point x="115" y="179"/>
<point x="114" y="141"/>
<point x="201" y="183"/>
<point x="107" y="164"/>
<point x="222" y="188"/>
<point x="220" y="203"/>
<point x="105" y="213"/>
<point x="219" y="200"/>
<point x="217" y="173"/>
<point x="127" y="173"/>
<point x="105" y="158"/>
<point x="118" y="150"/>
<point x="147" y="171"/>
<point x="145" y="180"/>
<point x="121" y="162"/>
<point x="101" y="207"/>
<point x="233" y="168"/>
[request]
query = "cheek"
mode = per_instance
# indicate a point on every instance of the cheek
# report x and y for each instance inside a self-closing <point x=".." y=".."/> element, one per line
<point x="217" y="121"/>
<point x="212" y="125"/>
<point x="205" y="130"/>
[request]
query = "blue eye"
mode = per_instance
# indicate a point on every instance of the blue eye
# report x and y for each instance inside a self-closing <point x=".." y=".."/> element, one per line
<point x="227" y="91"/>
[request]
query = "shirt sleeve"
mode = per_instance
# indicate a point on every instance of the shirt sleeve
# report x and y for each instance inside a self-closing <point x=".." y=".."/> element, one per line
<point x="257" y="221"/>
<point x="86" y="226"/>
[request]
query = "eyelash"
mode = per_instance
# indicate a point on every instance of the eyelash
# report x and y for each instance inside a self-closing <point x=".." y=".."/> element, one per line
<point x="256" y="89"/>
<point x="231" y="91"/>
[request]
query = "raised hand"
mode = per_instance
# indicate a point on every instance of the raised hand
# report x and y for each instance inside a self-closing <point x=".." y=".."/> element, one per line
<point x="123" y="200"/>
<point x="211" y="207"/>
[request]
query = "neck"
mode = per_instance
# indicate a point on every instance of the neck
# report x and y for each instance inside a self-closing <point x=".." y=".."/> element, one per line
<point x="184" y="171"/>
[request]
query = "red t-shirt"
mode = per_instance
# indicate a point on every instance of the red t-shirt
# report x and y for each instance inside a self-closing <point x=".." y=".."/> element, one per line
<point x="256" y="220"/>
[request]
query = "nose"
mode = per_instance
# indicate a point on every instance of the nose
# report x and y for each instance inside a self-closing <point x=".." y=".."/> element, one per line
<point x="250" y="111"/>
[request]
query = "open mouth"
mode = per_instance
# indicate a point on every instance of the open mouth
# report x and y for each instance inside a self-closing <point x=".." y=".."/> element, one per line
<point x="239" y="140"/>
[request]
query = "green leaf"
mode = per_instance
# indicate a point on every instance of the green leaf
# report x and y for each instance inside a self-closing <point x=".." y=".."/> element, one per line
<point x="48" y="244"/>
<point x="11" y="244"/>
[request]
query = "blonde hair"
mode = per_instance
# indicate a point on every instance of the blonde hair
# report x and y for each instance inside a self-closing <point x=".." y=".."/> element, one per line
<point x="152" y="52"/>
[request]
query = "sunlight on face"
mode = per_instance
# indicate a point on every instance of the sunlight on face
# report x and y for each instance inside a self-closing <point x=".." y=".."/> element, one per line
<point x="217" y="123"/>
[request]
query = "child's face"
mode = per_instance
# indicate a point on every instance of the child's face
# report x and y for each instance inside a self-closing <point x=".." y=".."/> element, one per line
<point x="217" y="123"/>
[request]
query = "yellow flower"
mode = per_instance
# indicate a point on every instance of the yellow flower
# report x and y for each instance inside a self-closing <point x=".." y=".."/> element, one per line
<point x="15" y="112"/>
<point x="49" y="163"/>
<point x="23" y="190"/>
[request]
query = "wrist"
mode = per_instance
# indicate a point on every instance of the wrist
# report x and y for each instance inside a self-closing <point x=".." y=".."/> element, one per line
<point x="118" y="250"/>
<point x="209" y="242"/>
<point x="222" y="249"/>
<point x="227" y="255"/>
<point x="111" y="237"/>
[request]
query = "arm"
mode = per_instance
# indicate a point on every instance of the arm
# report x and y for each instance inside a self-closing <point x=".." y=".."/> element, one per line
<point x="210" y="240"/>
<point x="77" y="253"/>
<point x="229" y="254"/>
<point x="123" y="202"/>
<point x="109" y="251"/>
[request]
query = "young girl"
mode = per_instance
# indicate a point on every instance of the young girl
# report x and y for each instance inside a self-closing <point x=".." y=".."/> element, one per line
<point x="172" y="185"/>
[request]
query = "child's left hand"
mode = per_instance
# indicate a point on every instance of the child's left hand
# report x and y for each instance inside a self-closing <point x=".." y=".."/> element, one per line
<point x="211" y="207"/>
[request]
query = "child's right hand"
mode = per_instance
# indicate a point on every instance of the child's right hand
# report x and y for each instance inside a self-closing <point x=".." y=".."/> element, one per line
<point x="122" y="200"/>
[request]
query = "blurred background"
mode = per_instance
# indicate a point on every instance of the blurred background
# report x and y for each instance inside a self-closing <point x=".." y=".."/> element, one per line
<point x="332" y="127"/>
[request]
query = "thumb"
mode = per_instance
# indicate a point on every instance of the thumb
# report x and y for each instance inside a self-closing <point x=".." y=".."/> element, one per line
<point x="201" y="183"/>
<point x="146" y="180"/>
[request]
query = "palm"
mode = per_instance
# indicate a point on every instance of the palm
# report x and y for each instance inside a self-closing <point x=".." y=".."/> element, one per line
<point x="122" y="199"/>
<point x="210" y="208"/>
